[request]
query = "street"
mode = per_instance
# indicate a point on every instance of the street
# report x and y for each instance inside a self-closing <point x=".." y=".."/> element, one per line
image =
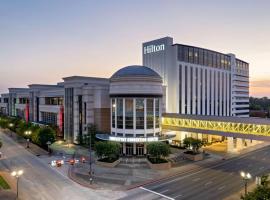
<point x="212" y="183"/>
<point x="40" y="180"/>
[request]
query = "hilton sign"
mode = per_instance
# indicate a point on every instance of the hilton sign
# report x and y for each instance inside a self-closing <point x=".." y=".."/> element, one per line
<point x="153" y="48"/>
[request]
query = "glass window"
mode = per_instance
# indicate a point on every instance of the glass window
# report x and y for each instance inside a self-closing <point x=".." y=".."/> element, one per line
<point x="139" y="113"/>
<point x="205" y="59"/>
<point x="157" y="113"/>
<point x="119" y="107"/>
<point x="180" y="53"/>
<point x="129" y="113"/>
<point x="190" y="55"/>
<point x="200" y="56"/>
<point x="186" y="54"/>
<point x="196" y="56"/>
<point x="150" y="113"/>
<point x="113" y="113"/>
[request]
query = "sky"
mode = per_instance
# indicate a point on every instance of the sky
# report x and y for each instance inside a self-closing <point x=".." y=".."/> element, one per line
<point x="44" y="41"/>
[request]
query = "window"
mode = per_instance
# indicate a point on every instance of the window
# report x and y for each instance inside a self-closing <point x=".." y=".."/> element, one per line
<point x="129" y="113"/>
<point x="119" y="112"/>
<point x="49" y="118"/>
<point x="190" y="55"/>
<point x="150" y="113"/>
<point x="139" y="113"/>
<point x="113" y="113"/>
<point x="157" y="113"/>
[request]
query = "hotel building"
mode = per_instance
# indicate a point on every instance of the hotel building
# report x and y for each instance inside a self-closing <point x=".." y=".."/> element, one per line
<point x="128" y="107"/>
<point x="199" y="81"/>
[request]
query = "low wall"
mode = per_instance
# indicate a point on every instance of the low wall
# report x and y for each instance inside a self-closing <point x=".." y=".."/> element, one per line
<point x="160" y="166"/>
<point x="106" y="164"/>
<point x="195" y="157"/>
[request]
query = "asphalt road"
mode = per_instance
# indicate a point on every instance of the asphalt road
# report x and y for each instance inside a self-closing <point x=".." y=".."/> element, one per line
<point x="216" y="182"/>
<point x="41" y="181"/>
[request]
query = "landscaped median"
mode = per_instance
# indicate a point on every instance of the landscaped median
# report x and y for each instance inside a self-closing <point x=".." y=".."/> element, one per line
<point x="3" y="184"/>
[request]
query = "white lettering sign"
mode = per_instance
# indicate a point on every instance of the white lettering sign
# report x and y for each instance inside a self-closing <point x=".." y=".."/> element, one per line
<point x="153" y="48"/>
<point x="133" y="139"/>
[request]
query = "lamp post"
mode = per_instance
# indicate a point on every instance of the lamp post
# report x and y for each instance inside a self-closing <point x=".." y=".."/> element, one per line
<point x="90" y="155"/>
<point x="246" y="177"/>
<point x="28" y="133"/>
<point x="49" y="143"/>
<point x="17" y="175"/>
<point x="10" y="126"/>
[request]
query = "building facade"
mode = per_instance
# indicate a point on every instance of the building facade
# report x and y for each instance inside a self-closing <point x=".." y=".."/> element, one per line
<point x="199" y="81"/>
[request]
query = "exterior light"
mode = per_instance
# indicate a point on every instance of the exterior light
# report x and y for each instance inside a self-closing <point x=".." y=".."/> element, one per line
<point x="17" y="175"/>
<point x="246" y="177"/>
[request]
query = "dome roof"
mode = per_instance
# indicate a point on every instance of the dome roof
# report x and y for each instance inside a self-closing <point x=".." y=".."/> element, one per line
<point x="135" y="71"/>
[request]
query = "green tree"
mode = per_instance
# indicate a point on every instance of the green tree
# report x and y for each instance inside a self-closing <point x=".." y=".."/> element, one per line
<point x="193" y="144"/>
<point x="158" y="150"/>
<point x="43" y="135"/>
<point x="261" y="192"/>
<point x="1" y="143"/>
<point x="110" y="150"/>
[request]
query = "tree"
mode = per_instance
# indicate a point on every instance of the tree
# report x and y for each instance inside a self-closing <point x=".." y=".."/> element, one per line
<point x="43" y="135"/>
<point x="110" y="150"/>
<point x="158" y="150"/>
<point x="261" y="192"/>
<point x="1" y="143"/>
<point x="193" y="144"/>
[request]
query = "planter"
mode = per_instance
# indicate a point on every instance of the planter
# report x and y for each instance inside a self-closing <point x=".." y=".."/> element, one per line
<point x="159" y="166"/>
<point x="107" y="164"/>
<point x="194" y="157"/>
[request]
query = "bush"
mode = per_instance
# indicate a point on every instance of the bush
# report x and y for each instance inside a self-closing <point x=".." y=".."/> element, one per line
<point x="110" y="150"/>
<point x="43" y="135"/>
<point x="193" y="144"/>
<point x="1" y="143"/>
<point x="156" y="150"/>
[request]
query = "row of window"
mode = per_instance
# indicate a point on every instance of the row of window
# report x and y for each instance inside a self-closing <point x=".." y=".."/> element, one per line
<point x="205" y="92"/>
<point x="23" y="100"/>
<point x="3" y="100"/>
<point x="203" y="57"/>
<point x="53" y="101"/>
<point x="49" y="118"/>
<point x="151" y="105"/>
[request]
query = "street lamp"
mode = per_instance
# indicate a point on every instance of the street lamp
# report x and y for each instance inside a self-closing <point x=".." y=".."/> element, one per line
<point x="17" y="175"/>
<point x="246" y="177"/>
<point x="27" y="133"/>
<point x="90" y="155"/>
<point x="10" y="126"/>
<point x="49" y="143"/>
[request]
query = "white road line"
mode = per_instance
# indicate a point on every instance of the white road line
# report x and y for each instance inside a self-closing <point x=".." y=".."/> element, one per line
<point x="180" y="195"/>
<point x="222" y="187"/>
<point x="196" y="179"/>
<point x="208" y="183"/>
<point x="162" y="195"/>
<point x="164" y="191"/>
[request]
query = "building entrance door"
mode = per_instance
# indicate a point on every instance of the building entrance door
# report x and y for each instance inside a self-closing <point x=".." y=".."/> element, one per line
<point x="129" y="149"/>
<point x="139" y="149"/>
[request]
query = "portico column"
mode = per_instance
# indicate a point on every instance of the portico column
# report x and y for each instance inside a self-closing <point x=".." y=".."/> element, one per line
<point x="230" y="145"/>
<point x="134" y="148"/>
<point x="144" y="148"/>
<point x="124" y="148"/>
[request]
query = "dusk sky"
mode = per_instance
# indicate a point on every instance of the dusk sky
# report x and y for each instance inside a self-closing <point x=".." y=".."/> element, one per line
<point x="43" y="41"/>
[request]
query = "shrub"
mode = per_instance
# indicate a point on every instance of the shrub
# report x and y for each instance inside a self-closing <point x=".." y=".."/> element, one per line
<point x="157" y="150"/>
<point x="43" y="135"/>
<point x="110" y="150"/>
<point x="193" y="144"/>
<point x="1" y="143"/>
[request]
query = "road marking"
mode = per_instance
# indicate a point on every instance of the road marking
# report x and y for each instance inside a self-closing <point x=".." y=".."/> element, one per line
<point x="222" y="187"/>
<point x="263" y="159"/>
<point x="164" y="191"/>
<point x="261" y="168"/>
<point x="196" y="179"/>
<point x="180" y="195"/>
<point x="151" y="191"/>
<point x="208" y="183"/>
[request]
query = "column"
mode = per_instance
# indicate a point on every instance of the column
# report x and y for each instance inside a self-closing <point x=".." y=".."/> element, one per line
<point x="208" y="92"/>
<point x="134" y="148"/>
<point x="212" y="93"/>
<point x="199" y="92"/>
<point x="203" y="92"/>
<point x="193" y="98"/>
<point x="188" y="91"/>
<point x="216" y="93"/>
<point x="230" y="145"/>
<point x="124" y="148"/>
<point x="183" y="90"/>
